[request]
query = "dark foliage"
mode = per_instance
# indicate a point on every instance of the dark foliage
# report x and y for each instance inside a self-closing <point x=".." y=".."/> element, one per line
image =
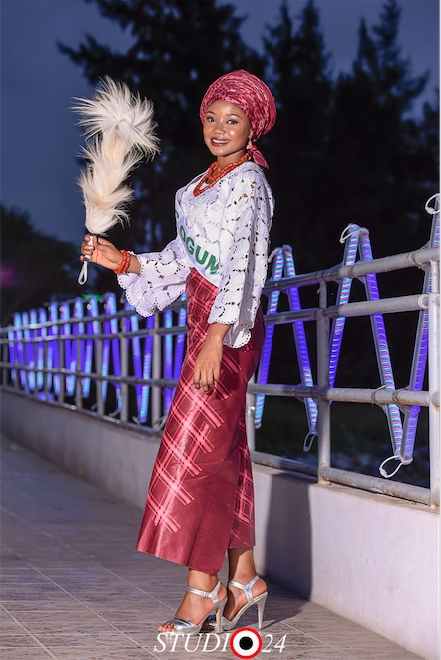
<point x="35" y="268"/>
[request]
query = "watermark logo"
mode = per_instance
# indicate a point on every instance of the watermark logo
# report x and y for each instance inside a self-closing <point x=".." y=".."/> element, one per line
<point x="246" y="643"/>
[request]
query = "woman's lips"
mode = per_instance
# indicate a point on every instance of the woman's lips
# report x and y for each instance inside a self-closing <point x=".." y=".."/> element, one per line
<point x="218" y="143"/>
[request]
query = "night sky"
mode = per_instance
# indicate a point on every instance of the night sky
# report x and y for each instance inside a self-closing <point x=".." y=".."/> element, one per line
<point x="40" y="141"/>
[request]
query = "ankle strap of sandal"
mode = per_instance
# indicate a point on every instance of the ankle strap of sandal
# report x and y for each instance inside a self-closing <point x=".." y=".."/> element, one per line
<point x="214" y="595"/>
<point x="248" y="588"/>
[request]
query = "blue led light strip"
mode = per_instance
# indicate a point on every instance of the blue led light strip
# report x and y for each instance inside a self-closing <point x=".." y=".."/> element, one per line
<point x="351" y="235"/>
<point x="135" y="343"/>
<point x="298" y="329"/>
<point x="93" y="328"/>
<point x="262" y="375"/>
<point x="111" y="327"/>
<point x="42" y="332"/>
<point x="381" y="345"/>
<point x="69" y="349"/>
<point x="419" y="359"/>
<point x="53" y="356"/>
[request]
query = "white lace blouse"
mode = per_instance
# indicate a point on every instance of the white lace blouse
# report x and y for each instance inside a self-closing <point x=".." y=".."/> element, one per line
<point x="234" y="218"/>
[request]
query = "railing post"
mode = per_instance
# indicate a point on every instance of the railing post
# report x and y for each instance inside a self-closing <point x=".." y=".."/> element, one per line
<point x="61" y="366"/>
<point x="434" y="366"/>
<point x="78" y="379"/>
<point x="324" y="410"/>
<point x="46" y="373"/>
<point x="99" y="371"/>
<point x="5" y="359"/>
<point x="124" y="372"/>
<point x="156" y="374"/>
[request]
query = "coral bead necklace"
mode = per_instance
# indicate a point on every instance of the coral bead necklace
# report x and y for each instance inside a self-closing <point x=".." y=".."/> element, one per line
<point x="210" y="178"/>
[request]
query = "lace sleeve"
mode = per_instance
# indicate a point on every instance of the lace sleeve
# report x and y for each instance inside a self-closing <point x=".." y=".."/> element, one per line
<point x="161" y="280"/>
<point x="243" y="259"/>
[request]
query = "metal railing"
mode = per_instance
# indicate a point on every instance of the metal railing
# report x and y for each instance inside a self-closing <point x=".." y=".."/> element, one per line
<point x="98" y="356"/>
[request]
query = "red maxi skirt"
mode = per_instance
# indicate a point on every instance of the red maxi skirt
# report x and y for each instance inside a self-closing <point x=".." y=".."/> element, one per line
<point x="201" y="497"/>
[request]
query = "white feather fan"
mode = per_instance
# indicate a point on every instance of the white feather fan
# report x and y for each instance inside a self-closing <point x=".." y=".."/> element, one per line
<point x="120" y="132"/>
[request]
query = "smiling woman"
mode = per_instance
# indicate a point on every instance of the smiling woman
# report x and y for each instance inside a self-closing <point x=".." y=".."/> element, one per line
<point x="200" y="502"/>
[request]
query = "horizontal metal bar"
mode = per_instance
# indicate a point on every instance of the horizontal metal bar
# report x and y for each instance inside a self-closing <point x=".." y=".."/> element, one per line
<point x="380" y="396"/>
<point x="282" y="463"/>
<point x="383" y="306"/>
<point x="416" y="258"/>
<point x="73" y="320"/>
<point x="375" y="484"/>
<point x="307" y="314"/>
<point x="296" y="391"/>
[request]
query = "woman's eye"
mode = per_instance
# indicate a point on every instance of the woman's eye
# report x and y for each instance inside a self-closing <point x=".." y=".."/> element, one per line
<point x="232" y="121"/>
<point x="209" y="119"/>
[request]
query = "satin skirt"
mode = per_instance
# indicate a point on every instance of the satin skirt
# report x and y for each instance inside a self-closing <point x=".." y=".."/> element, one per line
<point x="201" y="497"/>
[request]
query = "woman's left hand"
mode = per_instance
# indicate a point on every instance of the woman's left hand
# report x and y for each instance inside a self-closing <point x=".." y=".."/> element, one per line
<point x="208" y="362"/>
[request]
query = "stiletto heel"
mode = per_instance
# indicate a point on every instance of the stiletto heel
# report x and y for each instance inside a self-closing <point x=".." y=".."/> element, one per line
<point x="259" y="600"/>
<point x="219" y="615"/>
<point x="261" y="607"/>
<point x="189" y="628"/>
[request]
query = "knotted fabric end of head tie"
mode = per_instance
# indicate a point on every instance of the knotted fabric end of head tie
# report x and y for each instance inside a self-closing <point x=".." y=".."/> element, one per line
<point x="257" y="156"/>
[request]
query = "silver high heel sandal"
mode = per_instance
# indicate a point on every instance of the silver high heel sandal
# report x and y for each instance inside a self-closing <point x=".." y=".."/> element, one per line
<point x="259" y="601"/>
<point x="189" y="628"/>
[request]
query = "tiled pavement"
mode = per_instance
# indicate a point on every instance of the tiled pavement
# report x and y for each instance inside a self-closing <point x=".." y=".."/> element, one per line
<point x="74" y="588"/>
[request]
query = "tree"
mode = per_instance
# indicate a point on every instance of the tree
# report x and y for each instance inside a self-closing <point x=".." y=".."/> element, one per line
<point x="382" y="170"/>
<point x="301" y="82"/>
<point x="179" y="48"/>
<point x="35" y="268"/>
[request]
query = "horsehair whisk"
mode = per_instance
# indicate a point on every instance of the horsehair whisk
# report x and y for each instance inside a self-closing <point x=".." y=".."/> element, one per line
<point x="120" y="132"/>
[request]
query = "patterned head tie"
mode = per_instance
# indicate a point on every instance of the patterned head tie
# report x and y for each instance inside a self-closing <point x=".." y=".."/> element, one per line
<point x="251" y="95"/>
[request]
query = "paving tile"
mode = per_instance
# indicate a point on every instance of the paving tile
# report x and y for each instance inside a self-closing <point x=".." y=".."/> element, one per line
<point x="37" y="653"/>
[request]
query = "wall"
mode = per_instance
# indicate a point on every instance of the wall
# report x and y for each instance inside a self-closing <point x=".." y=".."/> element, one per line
<point x="370" y="558"/>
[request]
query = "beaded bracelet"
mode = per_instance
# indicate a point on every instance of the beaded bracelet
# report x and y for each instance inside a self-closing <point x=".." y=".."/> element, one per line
<point x="125" y="263"/>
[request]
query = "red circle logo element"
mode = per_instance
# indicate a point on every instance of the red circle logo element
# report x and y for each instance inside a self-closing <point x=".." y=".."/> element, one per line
<point x="246" y="643"/>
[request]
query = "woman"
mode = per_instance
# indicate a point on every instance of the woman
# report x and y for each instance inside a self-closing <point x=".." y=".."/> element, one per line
<point x="201" y="501"/>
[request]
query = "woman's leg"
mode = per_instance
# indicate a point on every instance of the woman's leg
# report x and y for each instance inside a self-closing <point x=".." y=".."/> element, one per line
<point x="241" y="569"/>
<point x="195" y="608"/>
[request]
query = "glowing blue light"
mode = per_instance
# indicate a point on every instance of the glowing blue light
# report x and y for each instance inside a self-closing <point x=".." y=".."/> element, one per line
<point x="93" y="328"/>
<point x="111" y="327"/>
<point x="381" y="346"/>
<point x="70" y="359"/>
<point x="419" y="359"/>
<point x="53" y="348"/>
<point x="343" y="293"/>
<point x="42" y="332"/>
<point x="300" y="342"/>
<point x="262" y="376"/>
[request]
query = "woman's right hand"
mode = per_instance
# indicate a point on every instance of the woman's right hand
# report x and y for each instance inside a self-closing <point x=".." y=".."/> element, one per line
<point x="101" y="252"/>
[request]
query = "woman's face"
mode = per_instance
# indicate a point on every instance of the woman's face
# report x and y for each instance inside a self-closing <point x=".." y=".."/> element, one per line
<point x="227" y="130"/>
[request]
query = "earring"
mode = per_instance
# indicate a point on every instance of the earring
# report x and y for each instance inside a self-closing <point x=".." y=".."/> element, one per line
<point x="250" y="144"/>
